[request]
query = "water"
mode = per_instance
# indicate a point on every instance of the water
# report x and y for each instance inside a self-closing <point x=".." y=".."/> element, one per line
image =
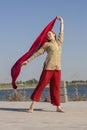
<point x="80" y="90"/>
<point x="26" y="93"/>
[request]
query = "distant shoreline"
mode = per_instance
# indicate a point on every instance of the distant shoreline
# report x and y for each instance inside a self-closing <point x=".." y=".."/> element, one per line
<point x="9" y="88"/>
<point x="27" y="87"/>
<point x="33" y="83"/>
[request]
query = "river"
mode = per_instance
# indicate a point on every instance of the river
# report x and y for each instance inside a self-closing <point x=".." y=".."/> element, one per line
<point x="72" y="92"/>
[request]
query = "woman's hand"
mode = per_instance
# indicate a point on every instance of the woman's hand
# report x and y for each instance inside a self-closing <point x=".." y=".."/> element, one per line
<point x="60" y="18"/>
<point x="24" y="63"/>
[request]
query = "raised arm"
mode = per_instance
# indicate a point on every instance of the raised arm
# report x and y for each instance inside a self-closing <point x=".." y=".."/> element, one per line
<point x="61" y="33"/>
<point x="61" y="24"/>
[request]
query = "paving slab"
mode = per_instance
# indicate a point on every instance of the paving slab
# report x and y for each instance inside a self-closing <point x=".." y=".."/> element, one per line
<point x="14" y="116"/>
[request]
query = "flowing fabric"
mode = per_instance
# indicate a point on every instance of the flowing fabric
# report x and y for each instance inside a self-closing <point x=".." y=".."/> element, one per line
<point x="41" y="39"/>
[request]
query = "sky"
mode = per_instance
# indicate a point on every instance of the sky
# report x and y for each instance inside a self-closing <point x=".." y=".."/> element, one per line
<point x="21" y="21"/>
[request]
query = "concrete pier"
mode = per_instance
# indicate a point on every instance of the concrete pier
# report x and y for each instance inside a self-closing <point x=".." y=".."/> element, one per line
<point x="14" y="116"/>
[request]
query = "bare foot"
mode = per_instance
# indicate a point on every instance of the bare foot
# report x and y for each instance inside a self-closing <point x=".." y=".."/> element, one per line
<point x="60" y="110"/>
<point x="30" y="110"/>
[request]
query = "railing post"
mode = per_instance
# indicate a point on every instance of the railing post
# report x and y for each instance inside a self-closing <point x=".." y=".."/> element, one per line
<point x="63" y="92"/>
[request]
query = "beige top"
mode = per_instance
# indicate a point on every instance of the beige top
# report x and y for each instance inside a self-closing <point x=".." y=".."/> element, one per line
<point x="54" y="50"/>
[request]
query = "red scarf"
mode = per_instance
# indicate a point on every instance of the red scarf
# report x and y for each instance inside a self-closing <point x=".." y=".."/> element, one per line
<point x="41" y="39"/>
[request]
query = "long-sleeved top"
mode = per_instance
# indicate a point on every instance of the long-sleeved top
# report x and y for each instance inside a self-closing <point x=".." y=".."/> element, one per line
<point x="54" y="50"/>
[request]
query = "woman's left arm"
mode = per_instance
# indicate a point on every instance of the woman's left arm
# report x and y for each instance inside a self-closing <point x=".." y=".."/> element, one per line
<point x="61" y="33"/>
<point x="61" y="24"/>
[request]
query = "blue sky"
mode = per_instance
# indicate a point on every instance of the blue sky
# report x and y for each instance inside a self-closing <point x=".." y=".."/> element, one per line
<point x="21" y="21"/>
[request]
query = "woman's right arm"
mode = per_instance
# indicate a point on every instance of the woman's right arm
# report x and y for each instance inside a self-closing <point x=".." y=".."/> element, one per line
<point x="36" y="54"/>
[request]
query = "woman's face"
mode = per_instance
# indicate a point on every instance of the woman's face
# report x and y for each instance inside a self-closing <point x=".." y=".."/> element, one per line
<point x="50" y="36"/>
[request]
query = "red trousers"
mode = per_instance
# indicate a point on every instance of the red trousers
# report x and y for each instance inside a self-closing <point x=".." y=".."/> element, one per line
<point x="53" y="77"/>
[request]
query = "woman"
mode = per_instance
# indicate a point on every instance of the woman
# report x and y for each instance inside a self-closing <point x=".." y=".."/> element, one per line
<point x="52" y="68"/>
